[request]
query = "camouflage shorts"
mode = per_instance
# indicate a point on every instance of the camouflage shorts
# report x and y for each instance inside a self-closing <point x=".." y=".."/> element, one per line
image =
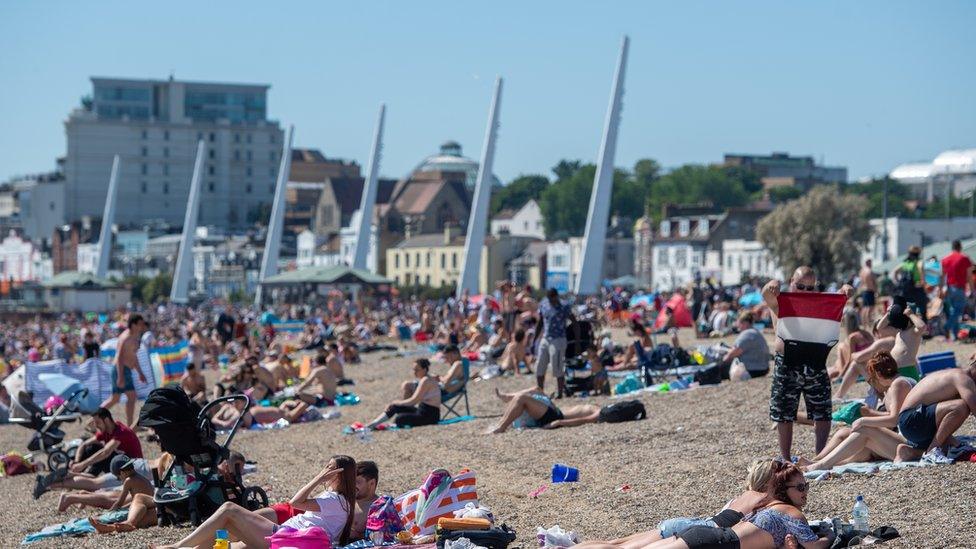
<point x="791" y="380"/>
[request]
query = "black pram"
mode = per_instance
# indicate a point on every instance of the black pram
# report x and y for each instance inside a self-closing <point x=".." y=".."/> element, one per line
<point x="185" y="431"/>
<point x="48" y="437"/>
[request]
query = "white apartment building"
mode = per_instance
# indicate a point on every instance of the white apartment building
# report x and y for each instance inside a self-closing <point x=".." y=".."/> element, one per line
<point x="154" y="125"/>
<point x="526" y="221"/>
<point x="747" y="258"/>
<point x="903" y="233"/>
<point x="565" y="257"/>
<point x="21" y="260"/>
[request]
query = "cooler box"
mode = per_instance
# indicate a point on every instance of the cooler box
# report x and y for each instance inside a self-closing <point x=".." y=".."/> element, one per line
<point x="935" y="362"/>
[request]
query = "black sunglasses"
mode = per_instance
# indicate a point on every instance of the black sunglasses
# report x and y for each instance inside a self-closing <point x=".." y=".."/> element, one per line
<point x="802" y="488"/>
<point x="805" y="288"/>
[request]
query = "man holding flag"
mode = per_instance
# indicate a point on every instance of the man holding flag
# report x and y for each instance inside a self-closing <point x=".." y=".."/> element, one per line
<point x="807" y="326"/>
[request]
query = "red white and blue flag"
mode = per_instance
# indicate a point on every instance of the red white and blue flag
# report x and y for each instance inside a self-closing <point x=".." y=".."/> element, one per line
<point x="810" y="317"/>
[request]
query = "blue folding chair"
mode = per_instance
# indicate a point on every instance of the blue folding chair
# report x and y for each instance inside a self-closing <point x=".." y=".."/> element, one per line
<point x="452" y="400"/>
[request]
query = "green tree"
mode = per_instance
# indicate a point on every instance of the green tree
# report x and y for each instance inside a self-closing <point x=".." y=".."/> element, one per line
<point x="647" y="171"/>
<point x="779" y="195"/>
<point x="566" y="168"/>
<point x="136" y="285"/>
<point x="519" y="191"/>
<point x="157" y="288"/>
<point x="873" y="191"/>
<point x="824" y="229"/>
<point x="696" y="184"/>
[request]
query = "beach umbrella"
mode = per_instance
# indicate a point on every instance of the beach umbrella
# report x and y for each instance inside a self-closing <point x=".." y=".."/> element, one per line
<point x="750" y="299"/>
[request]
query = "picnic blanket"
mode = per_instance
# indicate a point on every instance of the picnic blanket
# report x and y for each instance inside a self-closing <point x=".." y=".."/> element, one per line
<point x="958" y="453"/>
<point x="76" y="527"/>
<point x="438" y="497"/>
<point x="352" y="429"/>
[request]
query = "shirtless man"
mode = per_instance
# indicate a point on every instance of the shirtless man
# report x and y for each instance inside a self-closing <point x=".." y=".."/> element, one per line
<point x="325" y="384"/>
<point x="514" y="353"/>
<point x="869" y="292"/>
<point x="126" y="361"/>
<point x="935" y="409"/>
<point x="907" y="327"/>
<point x="792" y="380"/>
<point x="334" y="363"/>
<point x="194" y="384"/>
<point x="542" y="411"/>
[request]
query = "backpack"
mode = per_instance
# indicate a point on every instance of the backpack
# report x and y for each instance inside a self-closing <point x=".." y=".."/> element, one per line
<point x="383" y="517"/>
<point x="629" y="410"/>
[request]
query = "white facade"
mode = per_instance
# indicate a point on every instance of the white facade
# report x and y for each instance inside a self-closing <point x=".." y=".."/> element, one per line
<point x="952" y="170"/>
<point x="527" y="221"/>
<point x="154" y="126"/>
<point x="675" y="263"/>
<point x="563" y="261"/>
<point x="41" y="206"/>
<point x="21" y="260"/>
<point x="308" y="255"/>
<point x="903" y="233"/>
<point x="87" y="258"/>
<point x="747" y="258"/>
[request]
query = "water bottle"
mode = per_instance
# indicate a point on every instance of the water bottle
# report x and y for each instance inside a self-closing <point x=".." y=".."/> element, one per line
<point x="860" y="514"/>
<point x="222" y="541"/>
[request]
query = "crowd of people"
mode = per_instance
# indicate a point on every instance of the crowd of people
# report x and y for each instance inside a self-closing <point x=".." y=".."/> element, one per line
<point x="289" y="376"/>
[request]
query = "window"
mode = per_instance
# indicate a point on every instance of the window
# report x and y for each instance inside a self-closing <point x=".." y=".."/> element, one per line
<point x="428" y="280"/>
<point x="248" y="140"/>
<point x="683" y="227"/>
<point x="248" y="155"/>
<point x="406" y="278"/>
<point x="271" y="156"/>
<point x="681" y="258"/>
<point x="211" y="187"/>
<point x="165" y="187"/>
<point x="396" y="263"/>
<point x="213" y="137"/>
<point x="558" y="261"/>
<point x="248" y="188"/>
<point x="165" y="152"/>
<point x="417" y="259"/>
<point x="526" y="224"/>
<point x="728" y="261"/>
<point x="166" y="135"/>
<point x="249" y="171"/>
<point x="145" y="152"/>
<point x="665" y="228"/>
<point x="397" y="279"/>
<point x="703" y="226"/>
<point x="406" y="260"/>
<point x="145" y="134"/>
<point x="428" y="265"/>
<point x="454" y="260"/>
<point x="212" y="154"/>
<point x="443" y="263"/>
<point x="237" y="138"/>
<point x="165" y="169"/>
<point x="144" y="169"/>
<point x="662" y="257"/>
<point x="211" y="170"/>
<point x="144" y="187"/>
<point x="695" y="259"/>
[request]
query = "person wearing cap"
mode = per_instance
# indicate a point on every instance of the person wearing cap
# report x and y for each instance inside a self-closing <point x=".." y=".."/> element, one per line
<point x="137" y="491"/>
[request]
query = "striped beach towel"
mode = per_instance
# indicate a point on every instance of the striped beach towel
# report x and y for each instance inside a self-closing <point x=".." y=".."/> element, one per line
<point x="438" y="497"/>
<point x="169" y="363"/>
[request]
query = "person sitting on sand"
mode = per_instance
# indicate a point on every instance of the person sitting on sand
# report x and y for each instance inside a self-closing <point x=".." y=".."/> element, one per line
<point x="908" y="328"/>
<point x="133" y="482"/>
<point x="477" y="338"/>
<point x="137" y="492"/>
<point x="598" y="373"/>
<point x="642" y="338"/>
<point x="322" y="376"/>
<point x="194" y="384"/>
<point x="513" y="357"/>
<point x="871" y="436"/>
<point x="333" y="510"/>
<point x="498" y="340"/>
<point x="453" y="380"/>
<point x="781" y="523"/>
<point x="758" y="494"/>
<point x="857" y="339"/>
<point x="421" y="403"/>
<point x="536" y="409"/>
<point x="935" y="409"/>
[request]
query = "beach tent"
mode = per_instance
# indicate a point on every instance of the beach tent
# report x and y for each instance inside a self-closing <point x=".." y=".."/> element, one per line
<point x="682" y="315"/>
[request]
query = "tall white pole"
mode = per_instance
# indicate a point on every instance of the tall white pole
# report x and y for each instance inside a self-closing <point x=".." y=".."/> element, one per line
<point x="184" y="261"/>
<point x="595" y="239"/>
<point x="367" y="203"/>
<point x="276" y="225"/>
<point x="477" y="222"/>
<point x="108" y="218"/>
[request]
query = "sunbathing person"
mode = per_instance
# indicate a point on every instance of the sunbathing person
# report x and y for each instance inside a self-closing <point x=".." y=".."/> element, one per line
<point x="133" y="482"/>
<point x="332" y="510"/>
<point x="513" y="357"/>
<point x="536" y="409"/>
<point x="857" y="339"/>
<point x="642" y="338"/>
<point x="323" y="378"/>
<point x="476" y="339"/>
<point x="870" y="437"/>
<point x="421" y="407"/>
<point x="293" y="411"/>
<point x="194" y="384"/>
<point x="768" y="528"/>
<point x="935" y="409"/>
<point x="497" y="342"/>
<point x="453" y="380"/>
<point x="908" y="328"/>
<point x="137" y="492"/>
<point x="758" y="494"/>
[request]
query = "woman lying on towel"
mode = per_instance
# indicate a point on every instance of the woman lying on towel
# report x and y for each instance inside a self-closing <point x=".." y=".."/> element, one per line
<point x="753" y="521"/>
<point x="421" y="403"/>
<point x="332" y="510"/>
<point x="870" y="437"/>
<point x="293" y="411"/>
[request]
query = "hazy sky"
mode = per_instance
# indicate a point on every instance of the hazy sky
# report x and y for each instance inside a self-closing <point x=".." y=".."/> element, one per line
<point x="864" y="84"/>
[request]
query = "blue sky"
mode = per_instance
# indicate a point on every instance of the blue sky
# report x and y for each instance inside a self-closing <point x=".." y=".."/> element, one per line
<point x="866" y="84"/>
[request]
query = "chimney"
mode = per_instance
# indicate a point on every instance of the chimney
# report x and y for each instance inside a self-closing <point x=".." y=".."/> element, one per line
<point x="450" y="231"/>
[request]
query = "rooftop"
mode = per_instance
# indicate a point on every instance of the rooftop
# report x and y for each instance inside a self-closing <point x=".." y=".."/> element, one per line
<point x="75" y="279"/>
<point x="326" y="275"/>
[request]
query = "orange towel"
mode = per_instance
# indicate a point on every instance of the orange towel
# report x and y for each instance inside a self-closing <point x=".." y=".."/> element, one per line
<point x="463" y="523"/>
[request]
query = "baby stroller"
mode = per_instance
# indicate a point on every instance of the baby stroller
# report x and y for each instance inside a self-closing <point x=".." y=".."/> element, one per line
<point x="579" y="338"/>
<point x="48" y="438"/>
<point x="185" y="431"/>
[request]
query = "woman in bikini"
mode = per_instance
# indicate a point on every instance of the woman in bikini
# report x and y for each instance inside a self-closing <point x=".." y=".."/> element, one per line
<point x="421" y="404"/>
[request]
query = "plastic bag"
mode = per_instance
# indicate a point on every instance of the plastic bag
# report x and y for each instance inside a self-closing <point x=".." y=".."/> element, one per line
<point x="473" y="510"/>
<point x="461" y="543"/>
<point x="556" y="537"/>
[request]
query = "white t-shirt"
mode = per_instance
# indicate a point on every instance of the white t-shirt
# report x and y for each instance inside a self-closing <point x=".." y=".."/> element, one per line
<point x="331" y="516"/>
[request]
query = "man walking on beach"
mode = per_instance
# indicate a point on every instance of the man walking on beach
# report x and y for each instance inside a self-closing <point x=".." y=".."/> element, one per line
<point x="791" y="380"/>
<point x="126" y="360"/>
<point x="869" y="293"/>
<point x="934" y="410"/>
<point x="956" y="268"/>
<point x="552" y="347"/>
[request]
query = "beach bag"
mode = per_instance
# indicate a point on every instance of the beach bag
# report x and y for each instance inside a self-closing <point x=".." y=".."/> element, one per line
<point x="306" y="538"/>
<point x="439" y="496"/>
<point x="383" y="517"/>
<point x="629" y="410"/>
<point x="493" y="538"/>
<point x="14" y="464"/>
